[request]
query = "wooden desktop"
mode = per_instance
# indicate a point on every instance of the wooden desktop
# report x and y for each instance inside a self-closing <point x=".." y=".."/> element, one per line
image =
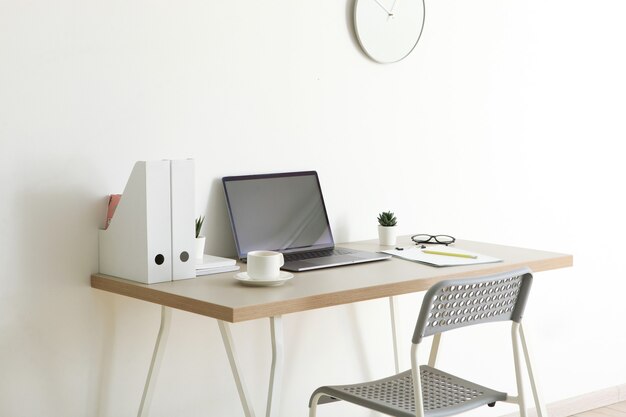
<point x="221" y="297"/>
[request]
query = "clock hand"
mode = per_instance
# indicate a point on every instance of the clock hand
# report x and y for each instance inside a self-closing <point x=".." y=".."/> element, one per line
<point x="384" y="8"/>
<point x="392" y="6"/>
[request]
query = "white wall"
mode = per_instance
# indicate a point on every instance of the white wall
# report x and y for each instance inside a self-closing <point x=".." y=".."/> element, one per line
<point x="503" y="126"/>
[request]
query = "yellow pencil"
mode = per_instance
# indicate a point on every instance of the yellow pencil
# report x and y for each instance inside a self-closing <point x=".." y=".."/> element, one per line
<point x="459" y="255"/>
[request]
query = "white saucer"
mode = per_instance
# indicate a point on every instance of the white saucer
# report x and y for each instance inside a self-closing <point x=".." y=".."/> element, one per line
<point x="246" y="280"/>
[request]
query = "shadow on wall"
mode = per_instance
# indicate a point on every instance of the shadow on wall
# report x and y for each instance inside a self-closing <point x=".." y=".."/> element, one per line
<point x="58" y="239"/>
<point x="56" y="250"/>
<point x="350" y="5"/>
<point x="219" y="236"/>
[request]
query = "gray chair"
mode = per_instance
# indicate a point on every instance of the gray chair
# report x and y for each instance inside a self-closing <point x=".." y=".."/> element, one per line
<point x="425" y="391"/>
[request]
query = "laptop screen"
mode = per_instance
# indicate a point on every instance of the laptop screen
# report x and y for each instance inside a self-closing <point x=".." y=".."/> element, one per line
<point x="280" y="212"/>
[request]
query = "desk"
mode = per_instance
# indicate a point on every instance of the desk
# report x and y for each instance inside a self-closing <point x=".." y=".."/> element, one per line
<point x="223" y="298"/>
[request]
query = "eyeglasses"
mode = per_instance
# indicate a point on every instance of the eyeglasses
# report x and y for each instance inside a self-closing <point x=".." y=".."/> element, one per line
<point x="441" y="239"/>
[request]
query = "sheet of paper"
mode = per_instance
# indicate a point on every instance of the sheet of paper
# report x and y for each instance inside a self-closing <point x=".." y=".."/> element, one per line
<point x="416" y="254"/>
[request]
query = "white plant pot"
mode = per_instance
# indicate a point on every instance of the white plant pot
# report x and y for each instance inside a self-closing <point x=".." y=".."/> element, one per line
<point x="387" y="235"/>
<point x="200" y="247"/>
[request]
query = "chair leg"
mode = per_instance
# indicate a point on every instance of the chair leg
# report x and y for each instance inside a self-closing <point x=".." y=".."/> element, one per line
<point x="521" y="399"/>
<point x="539" y="404"/>
<point x="434" y="349"/>
<point x="313" y="406"/>
<point x="417" y="382"/>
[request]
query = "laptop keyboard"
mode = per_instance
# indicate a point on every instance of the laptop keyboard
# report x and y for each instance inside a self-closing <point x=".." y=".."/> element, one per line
<point x="315" y="254"/>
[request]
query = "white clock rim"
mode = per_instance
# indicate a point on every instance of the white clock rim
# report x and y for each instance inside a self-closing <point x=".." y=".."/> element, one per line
<point x="364" y="48"/>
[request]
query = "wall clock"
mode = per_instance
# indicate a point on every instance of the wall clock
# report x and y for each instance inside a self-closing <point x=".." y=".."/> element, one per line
<point x="388" y="30"/>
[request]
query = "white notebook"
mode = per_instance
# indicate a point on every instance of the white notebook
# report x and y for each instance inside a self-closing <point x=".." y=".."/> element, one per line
<point x="416" y="254"/>
<point x="211" y="261"/>
<point x="218" y="270"/>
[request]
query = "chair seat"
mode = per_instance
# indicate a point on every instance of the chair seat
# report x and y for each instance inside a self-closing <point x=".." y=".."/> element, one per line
<point x="444" y="394"/>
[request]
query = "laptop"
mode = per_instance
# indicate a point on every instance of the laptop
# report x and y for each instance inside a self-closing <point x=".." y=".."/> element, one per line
<point x="286" y="213"/>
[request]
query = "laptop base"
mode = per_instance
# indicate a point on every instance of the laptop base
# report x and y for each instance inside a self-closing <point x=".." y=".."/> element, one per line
<point x="354" y="257"/>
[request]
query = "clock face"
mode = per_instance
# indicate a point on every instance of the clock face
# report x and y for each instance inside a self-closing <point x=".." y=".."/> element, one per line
<point x="388" y="30"/>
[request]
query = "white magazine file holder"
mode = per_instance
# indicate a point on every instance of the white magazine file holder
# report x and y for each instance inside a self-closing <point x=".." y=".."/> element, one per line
<point x="183" y="195"/>
<point x="151" y="236"/>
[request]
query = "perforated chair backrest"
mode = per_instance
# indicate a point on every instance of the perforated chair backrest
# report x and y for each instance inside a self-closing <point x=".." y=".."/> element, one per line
<point x="459" y="303"/>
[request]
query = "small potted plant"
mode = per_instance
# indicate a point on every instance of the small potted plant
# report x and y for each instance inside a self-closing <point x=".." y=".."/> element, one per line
<point x="200" y="240"/>
<point x="387" y="228"/>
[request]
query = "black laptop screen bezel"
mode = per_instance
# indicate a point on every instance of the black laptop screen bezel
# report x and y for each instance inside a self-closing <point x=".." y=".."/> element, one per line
<point x="242" y="256"/>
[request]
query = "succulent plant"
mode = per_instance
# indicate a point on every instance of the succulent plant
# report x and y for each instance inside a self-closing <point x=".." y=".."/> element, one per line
<point x="199" y="222"/>
<point x="387" y="219"/>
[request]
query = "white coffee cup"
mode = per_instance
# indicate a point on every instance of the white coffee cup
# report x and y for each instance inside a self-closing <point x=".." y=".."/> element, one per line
<point x="264" y="264"/>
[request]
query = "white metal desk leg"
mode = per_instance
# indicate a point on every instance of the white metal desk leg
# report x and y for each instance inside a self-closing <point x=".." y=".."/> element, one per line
<point x="244" y="397"/>
<point x="278" y="359"/>
<point x="157" y="357"/>
<point x="394" y="331"/>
